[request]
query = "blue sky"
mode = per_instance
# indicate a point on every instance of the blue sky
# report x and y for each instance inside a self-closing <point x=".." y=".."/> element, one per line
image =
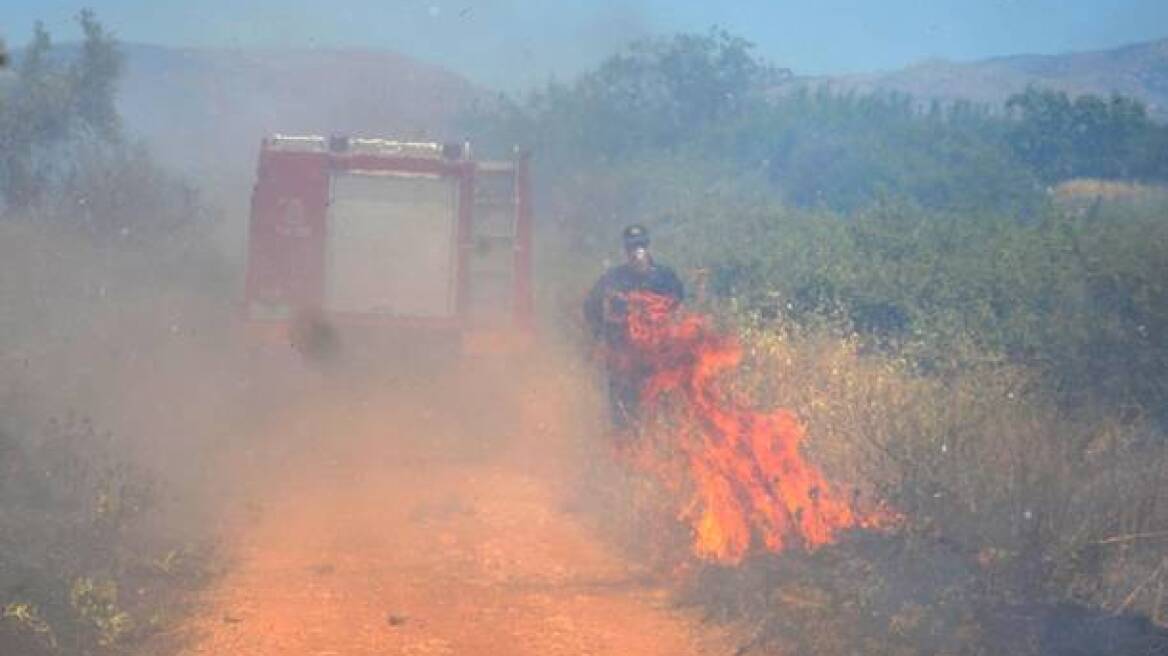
<point x="516" y="42"/>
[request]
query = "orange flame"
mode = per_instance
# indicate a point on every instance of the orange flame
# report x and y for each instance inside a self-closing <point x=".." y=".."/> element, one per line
<point x="751" y="483"/>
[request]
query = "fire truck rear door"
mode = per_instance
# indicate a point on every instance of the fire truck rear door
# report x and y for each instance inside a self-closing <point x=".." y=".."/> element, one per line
<point x="390" y="248"/>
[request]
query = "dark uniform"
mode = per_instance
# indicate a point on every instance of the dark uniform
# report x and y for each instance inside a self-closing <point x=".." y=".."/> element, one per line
<point x="606" y="312"/>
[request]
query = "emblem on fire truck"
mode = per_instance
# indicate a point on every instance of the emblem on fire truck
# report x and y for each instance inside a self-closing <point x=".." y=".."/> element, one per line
<point x="292" y="221"/>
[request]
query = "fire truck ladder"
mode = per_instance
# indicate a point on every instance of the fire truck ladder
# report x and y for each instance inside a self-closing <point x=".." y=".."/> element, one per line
<point x="498" y="268"/>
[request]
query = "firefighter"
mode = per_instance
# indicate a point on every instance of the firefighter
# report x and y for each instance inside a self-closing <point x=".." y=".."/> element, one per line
<point x="606" y="312"/>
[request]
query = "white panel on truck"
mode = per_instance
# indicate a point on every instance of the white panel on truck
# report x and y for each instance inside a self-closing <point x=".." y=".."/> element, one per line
<point x="391" y="245"/>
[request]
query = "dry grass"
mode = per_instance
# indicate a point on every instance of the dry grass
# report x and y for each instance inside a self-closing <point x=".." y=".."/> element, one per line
<point x="1089" y="190"/>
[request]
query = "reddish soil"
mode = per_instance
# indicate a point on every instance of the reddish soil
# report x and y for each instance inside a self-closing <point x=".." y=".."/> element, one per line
<point x="375" y="527"/>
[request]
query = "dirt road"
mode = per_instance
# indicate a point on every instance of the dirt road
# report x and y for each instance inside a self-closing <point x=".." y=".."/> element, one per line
<point x="382" y="527"/>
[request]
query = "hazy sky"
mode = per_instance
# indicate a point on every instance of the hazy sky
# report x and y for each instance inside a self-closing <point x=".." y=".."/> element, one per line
<point x="509" y="42"/>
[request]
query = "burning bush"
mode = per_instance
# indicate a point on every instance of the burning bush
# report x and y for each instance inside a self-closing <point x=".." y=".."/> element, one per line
<point x="1013" y="517"/>
<point x="751" y="485"/>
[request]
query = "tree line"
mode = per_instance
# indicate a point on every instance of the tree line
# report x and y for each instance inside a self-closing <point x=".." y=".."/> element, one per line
<point x="64" y="154"/>
<point x="711" y="94"/>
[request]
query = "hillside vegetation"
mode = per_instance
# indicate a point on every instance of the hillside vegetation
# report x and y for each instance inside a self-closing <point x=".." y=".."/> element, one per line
<point x="94" y="237"/>
<point x="921" y="229"/>
<point x="966" y="323"/>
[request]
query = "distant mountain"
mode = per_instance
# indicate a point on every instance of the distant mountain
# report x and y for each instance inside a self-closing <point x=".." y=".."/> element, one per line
<point x="204" y="111"/>
<point x="1139" y="70"/>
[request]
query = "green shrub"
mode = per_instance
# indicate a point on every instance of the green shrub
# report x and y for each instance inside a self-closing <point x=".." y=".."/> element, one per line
<point x="78" y="551"/>
<point x="1075" y="296"/>
<point x="64" y="156"/>
<point x="49" y="105"/>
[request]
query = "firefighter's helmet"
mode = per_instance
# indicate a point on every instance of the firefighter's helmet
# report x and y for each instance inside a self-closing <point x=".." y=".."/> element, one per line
<point x="635" y="236"/>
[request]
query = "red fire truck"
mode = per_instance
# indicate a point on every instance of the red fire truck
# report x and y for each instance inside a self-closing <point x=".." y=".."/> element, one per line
<point x="380" y="236"/>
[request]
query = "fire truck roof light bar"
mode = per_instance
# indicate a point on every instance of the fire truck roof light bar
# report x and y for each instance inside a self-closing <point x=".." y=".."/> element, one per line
<point x="396" y="148"/>
<point x="368" y="146"/>
<point x="310" y="144"/>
